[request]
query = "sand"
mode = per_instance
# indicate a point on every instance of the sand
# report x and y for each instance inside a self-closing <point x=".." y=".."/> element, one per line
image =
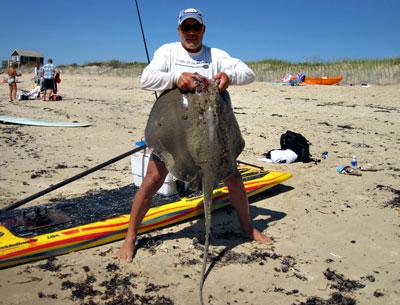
<point x="336" y="237"/>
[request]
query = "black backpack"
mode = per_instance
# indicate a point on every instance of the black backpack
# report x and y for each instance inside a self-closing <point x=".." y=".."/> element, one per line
<point x="297" y="143"/>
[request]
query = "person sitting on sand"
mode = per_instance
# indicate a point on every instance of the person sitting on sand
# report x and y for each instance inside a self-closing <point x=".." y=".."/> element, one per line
<point x="181" y="64"/>
<point x="12" y="80"/>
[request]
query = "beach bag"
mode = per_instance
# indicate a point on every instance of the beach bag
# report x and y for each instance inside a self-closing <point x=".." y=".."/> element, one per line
<point x="23" y="97"/>
<point x="55" y="97"/>
<point x="297" y="143"/>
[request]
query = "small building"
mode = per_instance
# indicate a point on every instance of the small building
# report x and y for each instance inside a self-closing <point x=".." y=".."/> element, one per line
<point x="23" y="57"/>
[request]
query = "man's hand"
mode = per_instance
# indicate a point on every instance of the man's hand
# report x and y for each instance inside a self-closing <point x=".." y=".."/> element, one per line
<point x="223" y="81"/>
<point x="187" y="81"/>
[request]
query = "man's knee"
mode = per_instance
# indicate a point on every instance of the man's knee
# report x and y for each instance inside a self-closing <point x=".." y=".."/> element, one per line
<point x="155" y="176"/>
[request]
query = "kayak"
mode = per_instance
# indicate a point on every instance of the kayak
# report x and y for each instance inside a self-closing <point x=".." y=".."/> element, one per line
<point x="322" y="80"/>
<point x="53" y="229"/>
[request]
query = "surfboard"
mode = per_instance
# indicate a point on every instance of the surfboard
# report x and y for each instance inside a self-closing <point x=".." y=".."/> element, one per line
<point x="5" y="119"/>
<point x="53" y="229"/>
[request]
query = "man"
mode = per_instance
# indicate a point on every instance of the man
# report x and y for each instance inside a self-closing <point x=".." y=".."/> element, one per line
<point x="48" y="72"/>
<point x="181" y="64"/>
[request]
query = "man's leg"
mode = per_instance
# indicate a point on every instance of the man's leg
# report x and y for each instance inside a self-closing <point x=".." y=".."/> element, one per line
<point x="48" y="94"/>
<point x="45" y="91"/>
<point x="154" y="179"/>
<point x="238" y="198"/>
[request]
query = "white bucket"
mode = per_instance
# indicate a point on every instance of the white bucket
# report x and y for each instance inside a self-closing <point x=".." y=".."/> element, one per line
<point x="139" y="162"/>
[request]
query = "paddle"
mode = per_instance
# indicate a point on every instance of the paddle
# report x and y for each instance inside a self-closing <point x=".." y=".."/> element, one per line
<point x="69" y="180"/>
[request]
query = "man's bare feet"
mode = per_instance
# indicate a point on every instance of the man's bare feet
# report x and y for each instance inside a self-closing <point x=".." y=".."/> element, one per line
<point x="259" y="237"/>
<point x="126" y="251"/>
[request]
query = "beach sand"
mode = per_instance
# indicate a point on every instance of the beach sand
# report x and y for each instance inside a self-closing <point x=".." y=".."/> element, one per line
<point x="336" y="237"/>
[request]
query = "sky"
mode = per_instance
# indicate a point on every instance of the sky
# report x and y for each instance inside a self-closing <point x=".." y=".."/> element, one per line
<point x="82" y="31"/>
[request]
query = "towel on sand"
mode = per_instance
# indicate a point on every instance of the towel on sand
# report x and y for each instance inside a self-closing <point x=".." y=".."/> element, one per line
<point x="280" y="156"/>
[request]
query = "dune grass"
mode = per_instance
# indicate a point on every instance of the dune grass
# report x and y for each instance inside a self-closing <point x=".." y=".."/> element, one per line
<point x="383" y="71"/>
<point x="111" y="67"/>
<point x="379" y="71"/>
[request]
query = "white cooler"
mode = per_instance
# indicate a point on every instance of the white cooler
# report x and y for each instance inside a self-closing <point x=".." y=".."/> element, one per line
<point x="139" y="162"/>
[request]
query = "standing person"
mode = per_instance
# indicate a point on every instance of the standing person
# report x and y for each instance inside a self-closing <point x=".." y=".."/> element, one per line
<point x="36" y="74"/>
<point x="49" y="71"/>
<point x="12" y="80"/>
<point x="38" y="77"/>
<point x="179" y="64"/>
<point x="57" y="80"/>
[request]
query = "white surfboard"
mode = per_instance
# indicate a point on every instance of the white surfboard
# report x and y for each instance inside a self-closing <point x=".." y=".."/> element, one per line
<point x="37" y="122"/>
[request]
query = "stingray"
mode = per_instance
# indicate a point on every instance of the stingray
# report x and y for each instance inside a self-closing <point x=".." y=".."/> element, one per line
<point x="198" y="138"/>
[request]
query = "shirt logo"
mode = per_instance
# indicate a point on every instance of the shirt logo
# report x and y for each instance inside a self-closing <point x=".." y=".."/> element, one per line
<point x="192" y="63"/>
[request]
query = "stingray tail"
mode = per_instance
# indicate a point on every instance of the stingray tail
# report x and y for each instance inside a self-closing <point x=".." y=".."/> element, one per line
<point x="207" y="191"/>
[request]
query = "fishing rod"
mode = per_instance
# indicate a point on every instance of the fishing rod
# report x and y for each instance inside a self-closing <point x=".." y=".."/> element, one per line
<point x="144" y="38"/>
<point x="141" y="28"/>
<point x="95" y="168"/>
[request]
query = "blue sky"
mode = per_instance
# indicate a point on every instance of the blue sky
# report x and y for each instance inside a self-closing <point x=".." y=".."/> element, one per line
<point x="80" y="31"/>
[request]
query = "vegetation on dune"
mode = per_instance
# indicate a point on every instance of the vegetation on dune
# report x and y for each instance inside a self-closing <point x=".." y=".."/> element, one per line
<point x="110" y="67"/>
<point x="382" y="71"/>
<point x="115" y="64"/>
<point x="379" y="71"/>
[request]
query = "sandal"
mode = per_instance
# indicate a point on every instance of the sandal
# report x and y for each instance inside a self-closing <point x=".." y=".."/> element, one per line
<point x="348" y="170"/>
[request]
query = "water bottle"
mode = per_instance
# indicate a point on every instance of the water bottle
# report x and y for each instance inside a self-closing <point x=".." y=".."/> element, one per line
<point x="354" y="162"/>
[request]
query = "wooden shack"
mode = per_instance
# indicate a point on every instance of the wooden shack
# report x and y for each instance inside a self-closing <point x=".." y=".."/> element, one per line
<point x="23" y="57"/>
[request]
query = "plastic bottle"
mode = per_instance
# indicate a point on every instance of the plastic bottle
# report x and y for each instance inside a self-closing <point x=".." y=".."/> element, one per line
<point x="354" y="162"/>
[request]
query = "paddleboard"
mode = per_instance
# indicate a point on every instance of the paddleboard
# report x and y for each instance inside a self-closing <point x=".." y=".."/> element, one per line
<point x="52" y="229"/>
<point x="5" y="119"/>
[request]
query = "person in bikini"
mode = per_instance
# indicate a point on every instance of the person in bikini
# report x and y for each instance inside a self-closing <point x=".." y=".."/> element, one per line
<point x="12" y="81"/>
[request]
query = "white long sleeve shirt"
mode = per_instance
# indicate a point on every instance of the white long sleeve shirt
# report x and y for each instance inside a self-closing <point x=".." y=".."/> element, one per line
<point x="171" y="60"/>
